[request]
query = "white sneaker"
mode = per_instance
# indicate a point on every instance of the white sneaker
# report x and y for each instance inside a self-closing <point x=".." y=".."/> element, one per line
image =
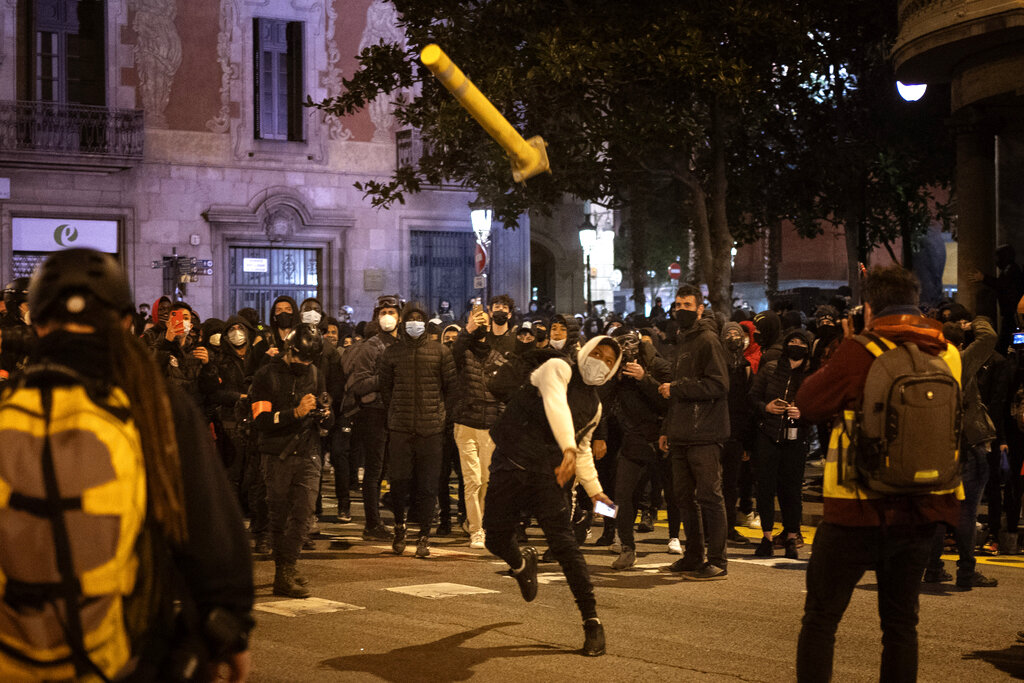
<point x="753" y="521"/>
<point x="616" y="548"/>
<point x="674" y="547"/>
<point x="476" y="540"/>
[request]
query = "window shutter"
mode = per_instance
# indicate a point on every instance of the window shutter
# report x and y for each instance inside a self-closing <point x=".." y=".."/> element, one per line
<point x="296" y="86"/>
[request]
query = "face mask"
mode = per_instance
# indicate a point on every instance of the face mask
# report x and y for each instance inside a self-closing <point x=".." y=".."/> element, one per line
<point x="685" y="318"/>
<point x="215" y="339"/>
<point x="734" y="344"/>
<point x="449" y="343"/>
<point x="523" y="346"/>
<point x="797" y="352"/>
<point x="746" y="343"/>
<point x="236" y="337"/>
<point x="415" y="328"/>
<point x="593" y="370"/>
<point x="758" y="339"/>
<point x="284" y="321"/>
<point x="186" y="326"/>
<point x="311" y="317"/>
<point x="388" y="322"/>
<point x="479" y="333"/>
<point x="500" y="318"/>
<point x="558" y="344"/>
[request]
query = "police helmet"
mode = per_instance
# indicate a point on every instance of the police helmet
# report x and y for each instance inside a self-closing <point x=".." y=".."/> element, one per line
<point x="305" y="343"/>
<point x="74" y="283"/>
<point x="16" y="292"/>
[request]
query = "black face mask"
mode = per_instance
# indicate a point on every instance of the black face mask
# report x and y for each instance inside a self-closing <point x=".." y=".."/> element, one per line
<point x="539" y="335"/>
<point x="524" y="346"/>
<point x="734" y="344"/>
<point x="827" y="331"/>
<point x="797" y="352"/>
<point x="685" y="318"/>
<point x="500" y="317"/>
<point x="284" y="321"/>
<point x="479" y="333"/>
<point x="758" y="339"/>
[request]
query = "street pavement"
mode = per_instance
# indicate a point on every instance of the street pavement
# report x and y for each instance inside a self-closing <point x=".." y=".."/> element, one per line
<point x="458" y="616"/>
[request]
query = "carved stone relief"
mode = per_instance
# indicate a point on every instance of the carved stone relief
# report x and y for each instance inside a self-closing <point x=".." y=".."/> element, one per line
<point x="382" y="23"/>
<point x="280" y="223"/>
<point x="157" y="55"/>
<point x="229" y="71"/>
<point x="330" y="80"/>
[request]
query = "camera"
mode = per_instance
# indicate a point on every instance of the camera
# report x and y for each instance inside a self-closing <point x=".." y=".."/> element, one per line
<point x="323" y="407"/>
<point x="857" y="319"/>
<point x="630" y="345"/>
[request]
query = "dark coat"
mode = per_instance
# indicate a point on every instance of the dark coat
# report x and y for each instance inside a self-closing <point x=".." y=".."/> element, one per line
<point x="636" y="404"/>
<point x="699" y="408"/>
<point x="779" y="379"/>
<point x="363" y="380"/>
<point x="476" y="406"/>
<point x="276" y="392"/>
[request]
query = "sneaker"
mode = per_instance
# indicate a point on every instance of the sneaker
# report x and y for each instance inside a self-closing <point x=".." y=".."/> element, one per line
<point x="377" y="533"/>
<point x="764" y="549"/>
<point x="593" y="638"/>
<point x="675" y="547"/>
<point x="708" y="572"/>
<point x="527" y="577"/>
<point x="646" y="524"/>
<point x="736" y="539"/>
<point x="344" y="517"/>
<point x="975" y="580"/>
<point x="423" y="547"/>
<point x="548" y="556"/>
<point x="398" y="544"/>
<point x="625" y="560"/>
<point x="990" y="547"/>
<point x="607" y="537"/>
<point x="314" y="526"/>
<point x="615" y="548"/>
<point x="444" y="529"/>
<point x="937" y="576"/>
<point x="753" y="521"/>
<point x="476" y="540"/>
<point x="686" y="564"/>
<point x="791" y="553"/>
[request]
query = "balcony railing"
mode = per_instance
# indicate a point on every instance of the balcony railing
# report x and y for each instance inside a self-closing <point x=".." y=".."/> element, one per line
<point x="72" y="134"/>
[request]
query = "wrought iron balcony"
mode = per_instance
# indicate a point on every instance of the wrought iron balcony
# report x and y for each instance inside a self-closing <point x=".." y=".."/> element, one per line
<point x="69" y="136"/>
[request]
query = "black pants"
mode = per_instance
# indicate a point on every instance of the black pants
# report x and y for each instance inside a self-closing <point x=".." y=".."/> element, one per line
<point x="511" y="491"/>
<point x="629" y="479"/>
<point x="414" y="467"/>
<point x="254" y="484"/>
<point x="732" y="459"/>
<point x="840" y="557"/>
<point x="341" y="459"/>
<point x="780" y="472"/>
<point x="370" y="434"/>
<point x="698" y="485"/>
<point x="291" y="494"/>
<point x="450" y="462"/>
<point x="1004" y="491"/>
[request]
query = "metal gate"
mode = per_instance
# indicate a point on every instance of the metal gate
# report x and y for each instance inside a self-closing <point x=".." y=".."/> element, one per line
<point x="441" y="267"/>
<point x="258" y="275"/>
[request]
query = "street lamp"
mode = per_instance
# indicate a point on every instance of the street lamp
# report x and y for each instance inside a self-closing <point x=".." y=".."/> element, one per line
<point x="481" y="220"/>
<point x="588" y="238"/>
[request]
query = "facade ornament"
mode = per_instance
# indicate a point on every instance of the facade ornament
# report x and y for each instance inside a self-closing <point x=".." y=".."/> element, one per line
<point x="157" y="55"/>
<point x="330" y="80"/>
<point x="280" y="223"/>
<point x="229" y="72"/>
<point x="382" y="24"/>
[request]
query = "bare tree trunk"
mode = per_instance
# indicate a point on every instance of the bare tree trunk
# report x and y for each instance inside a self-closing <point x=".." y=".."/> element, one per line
<point x="719" y="272"/>
<point x="638" y="249"/>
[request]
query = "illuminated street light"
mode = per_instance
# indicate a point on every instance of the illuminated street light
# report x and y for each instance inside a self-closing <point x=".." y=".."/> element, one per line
<point x="481" y="220"/>
<point x="911" y="92"/>
<point x="588" y="238"/>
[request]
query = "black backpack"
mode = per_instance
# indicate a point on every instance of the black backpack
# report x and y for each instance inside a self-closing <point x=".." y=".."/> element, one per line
<point x="506" y="374"/>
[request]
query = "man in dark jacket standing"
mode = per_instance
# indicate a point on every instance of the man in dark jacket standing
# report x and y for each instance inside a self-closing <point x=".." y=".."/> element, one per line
<point x="288" y="419"/>
<point x="417" y="379"/>
<point x="693" y="432"/>
<point x="370" y="425"/>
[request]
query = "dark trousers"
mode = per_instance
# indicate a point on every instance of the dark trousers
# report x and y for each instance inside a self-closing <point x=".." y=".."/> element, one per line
<point x="780" y="472"/>
<point x="840" y="557"/>
<point x="1004" y="491"/>
<point x="630" y="474"/>
<point x="511" y="491"/>
<point x="414" y="467"/>
<point x="974" y="471"/>
<point x="698" y="486"/>
<point x="370" y="434"/>
<point x="746" y="485"/>
<point x="450" y="462"/>
<point x="341" y="459"/>
<point x="254" y="485"/>
<point x="291" y="494"/>
<point x="732" y="459"/>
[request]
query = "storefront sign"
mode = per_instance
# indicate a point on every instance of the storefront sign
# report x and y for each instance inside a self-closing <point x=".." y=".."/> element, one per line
<point x="254" y="265"/>
<point x="54" y="234"/>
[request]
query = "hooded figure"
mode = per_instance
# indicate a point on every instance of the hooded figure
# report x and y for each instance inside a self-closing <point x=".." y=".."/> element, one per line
<point x="541" y="441"/>
<point x="570" y="343"/>
<point x="752" y="352"/>
<point x="769" y="328"/>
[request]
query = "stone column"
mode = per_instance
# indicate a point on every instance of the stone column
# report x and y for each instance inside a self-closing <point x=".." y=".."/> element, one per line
<point x="975" y="192"/>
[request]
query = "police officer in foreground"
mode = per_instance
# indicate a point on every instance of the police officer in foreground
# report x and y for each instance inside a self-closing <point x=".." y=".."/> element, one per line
<point x="176" y="595"/>
<point x="289" y="407"/>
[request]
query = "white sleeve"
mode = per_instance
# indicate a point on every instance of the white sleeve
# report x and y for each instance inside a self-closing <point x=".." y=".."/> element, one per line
<point x="552" y="381"/>
<point x="586" y="472"/>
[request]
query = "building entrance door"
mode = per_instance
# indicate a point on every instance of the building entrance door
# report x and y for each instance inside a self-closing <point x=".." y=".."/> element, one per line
<point x="258" y="275"/>
<point x="441" y="267"/>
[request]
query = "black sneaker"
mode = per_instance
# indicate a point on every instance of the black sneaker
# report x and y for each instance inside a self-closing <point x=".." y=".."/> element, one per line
<point x="708" y="572"/>
<point x="527" y="578"/>
<point x="938" y="576"/>
<point x="975" y="580"/>
<point x="606" y="538"/>
<point x="444" y="530"/>
<point x="764" y="549"/>
<point x="646" y="524"/>
<point x="398" y="544"/>
<point x="686" y="564"/>
<point x="377" y="533"/>
<point x="791" y="553"/>
<point x="593" y="638"/>
<point x="736" y="540"/>
<point x="344" y="517"/>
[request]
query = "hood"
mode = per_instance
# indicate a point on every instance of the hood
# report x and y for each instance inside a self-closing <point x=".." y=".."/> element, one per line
<point x="239" y="320"/>
<point x="212" y="326"/>
<point x="407" y="313"/>
<point x="924" y="332"/>
<point x="572" y="324"/>
<point x="452" y="326"/>
<point x="768" y="324"/>
<point x="156" y="307"/>
<point x="730" y="327"/>
<point x="295" y="308"/>
<point x="801" y="333"/>
<point x="592" y="344"/>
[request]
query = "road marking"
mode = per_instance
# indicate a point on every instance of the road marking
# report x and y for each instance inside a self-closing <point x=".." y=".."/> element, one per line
<point x="769" y="561"/>
<point x="303" y="607"/>
<point x="434" y="551"/>
<point x="433" y="591"/>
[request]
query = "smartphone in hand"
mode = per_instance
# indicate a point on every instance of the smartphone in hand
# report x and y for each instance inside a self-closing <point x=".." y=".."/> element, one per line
<point x="604" y="509"/>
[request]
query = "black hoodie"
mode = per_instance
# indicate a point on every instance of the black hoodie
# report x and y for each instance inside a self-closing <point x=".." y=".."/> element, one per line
<point x="779" y="379"/>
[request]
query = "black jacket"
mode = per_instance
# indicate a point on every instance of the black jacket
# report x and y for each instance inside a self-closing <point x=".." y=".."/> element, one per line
<point x="364" y="380"/>
<point x="232" y="382"/>
<point x="185" y="371"/>
<point x="778" y="379"/>
<point x="741" y="413"/>
<point x="276" y="392"/>
<point x="417" y="379"/>
<point x="699" y="408"/>
<point x="636" y="404"/>
<point x="476" y="407"/>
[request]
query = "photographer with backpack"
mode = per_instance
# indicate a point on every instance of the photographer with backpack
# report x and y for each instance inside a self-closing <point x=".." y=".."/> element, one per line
<point x="891" y="473"/>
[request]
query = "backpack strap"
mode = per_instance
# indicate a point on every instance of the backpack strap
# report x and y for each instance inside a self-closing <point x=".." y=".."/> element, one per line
<point x="875" y="344"/>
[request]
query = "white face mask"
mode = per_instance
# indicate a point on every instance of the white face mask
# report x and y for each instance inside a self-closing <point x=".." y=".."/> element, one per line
<point x="415" y="328"/>
<point x="236" y="337"/>
<point x="311" y="317"/>
<point x="215" y="339"/>
<point x="557" y="344"/>
<point x="594" y="371"/>
<point x="186" y="326"/>
<point x="388" y="322"/>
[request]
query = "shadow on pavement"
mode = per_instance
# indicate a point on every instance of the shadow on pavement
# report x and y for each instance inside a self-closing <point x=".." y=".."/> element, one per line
<point x="447" y="659"/>
<point x="1009" y="660"/>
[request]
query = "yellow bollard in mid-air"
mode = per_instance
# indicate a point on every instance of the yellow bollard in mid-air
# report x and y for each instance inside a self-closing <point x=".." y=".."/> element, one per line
<point x="529" y="157"/>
